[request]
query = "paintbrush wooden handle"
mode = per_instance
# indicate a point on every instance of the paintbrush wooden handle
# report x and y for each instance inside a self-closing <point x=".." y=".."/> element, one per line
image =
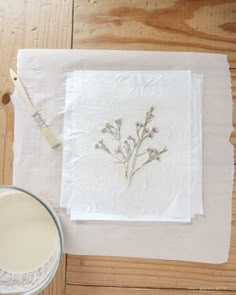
<point x="47" y="133"/>
<point x="20" y="88"/>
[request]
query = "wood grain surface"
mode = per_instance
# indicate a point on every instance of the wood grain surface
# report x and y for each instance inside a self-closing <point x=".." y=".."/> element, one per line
<point x="167" y="25"/>
<point x="85" y="290"/>
<point x="6" y="142"/>
<point x="28" y="24"/>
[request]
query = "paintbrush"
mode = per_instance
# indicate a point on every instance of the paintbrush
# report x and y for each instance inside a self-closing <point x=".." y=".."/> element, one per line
<point x="47" y="133"/>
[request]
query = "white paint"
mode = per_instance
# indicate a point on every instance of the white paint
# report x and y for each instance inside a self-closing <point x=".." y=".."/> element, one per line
<point x="28" y="234"/>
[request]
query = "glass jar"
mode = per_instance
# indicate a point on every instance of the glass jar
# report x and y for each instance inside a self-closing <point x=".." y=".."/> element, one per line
<point x="32" y="282"/>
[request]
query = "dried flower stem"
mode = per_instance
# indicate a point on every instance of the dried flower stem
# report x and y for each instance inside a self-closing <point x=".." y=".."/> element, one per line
<point x="129" y="149"/>
<point x="149" y="160"/>
<point x="141" y="138"/>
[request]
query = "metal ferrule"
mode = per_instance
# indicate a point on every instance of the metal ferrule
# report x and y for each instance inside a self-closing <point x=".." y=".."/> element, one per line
<point x="39" y="120"/>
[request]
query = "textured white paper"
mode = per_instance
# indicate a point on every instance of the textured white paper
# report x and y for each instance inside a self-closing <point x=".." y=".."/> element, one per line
<point x="97" y="185"/>
<point x="196" y="160"/>
<point x="38" y="168"/>
<point x="196" y="148"/>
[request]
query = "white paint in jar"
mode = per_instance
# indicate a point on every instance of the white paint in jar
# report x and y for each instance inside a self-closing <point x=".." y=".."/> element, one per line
<point x="28" y="233"/>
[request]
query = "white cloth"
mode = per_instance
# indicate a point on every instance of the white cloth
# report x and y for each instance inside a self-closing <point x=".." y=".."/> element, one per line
<point x="93" y="187"/>
<point x="37" y="167"/>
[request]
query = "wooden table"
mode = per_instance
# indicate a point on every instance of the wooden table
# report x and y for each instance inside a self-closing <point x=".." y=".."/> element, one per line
<point x="174" y="25"/>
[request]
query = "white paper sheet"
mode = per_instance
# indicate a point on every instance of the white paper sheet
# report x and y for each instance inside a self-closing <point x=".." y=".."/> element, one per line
<point x="162" y="190"/>
<point x="196" y="128"/>
<point x="196" y="181"/>
<point x="37" y="168"/>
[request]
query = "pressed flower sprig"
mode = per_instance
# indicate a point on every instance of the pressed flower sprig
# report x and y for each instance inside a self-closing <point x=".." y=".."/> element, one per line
<point x="128" y="152"/>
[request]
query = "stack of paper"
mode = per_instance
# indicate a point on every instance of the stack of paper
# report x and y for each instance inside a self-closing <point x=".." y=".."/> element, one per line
<point x="38" y="168"/>
<point x="132" y="146"/>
